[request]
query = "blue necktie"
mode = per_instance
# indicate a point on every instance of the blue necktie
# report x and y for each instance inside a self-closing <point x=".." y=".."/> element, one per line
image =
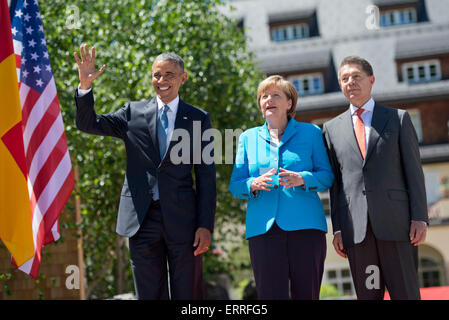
<point x="162" y="128"/>
<point x="162" y="131"/>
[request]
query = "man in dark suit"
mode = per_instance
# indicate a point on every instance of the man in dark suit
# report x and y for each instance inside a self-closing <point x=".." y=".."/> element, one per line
<point x="378" y="200"/>
<point x="164" y="217"/>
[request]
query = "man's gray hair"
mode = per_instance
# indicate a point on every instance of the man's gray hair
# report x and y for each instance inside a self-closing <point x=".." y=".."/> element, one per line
<point x="171" y="56"/>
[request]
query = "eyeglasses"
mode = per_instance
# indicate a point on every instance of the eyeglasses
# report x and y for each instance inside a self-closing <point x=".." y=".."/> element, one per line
<point x="169" y="76"/>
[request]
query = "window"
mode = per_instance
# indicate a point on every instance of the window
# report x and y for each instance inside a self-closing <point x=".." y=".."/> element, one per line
<point x="290" y="32"/>
<point x="394" y="17"/>
<point x="431" y="267"/>
<point x="422" y="71"/>
<point x="430" y="273"/>
<point x="308" y="84"/>
<point x="293" y="25"/>
<point x="341" y="279"/>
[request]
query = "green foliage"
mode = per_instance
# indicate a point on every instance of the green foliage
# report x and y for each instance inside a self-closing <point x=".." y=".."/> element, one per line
<point x="128" y="35"/>
<point x="329" y="291"/>
<point x="5" y="278"/>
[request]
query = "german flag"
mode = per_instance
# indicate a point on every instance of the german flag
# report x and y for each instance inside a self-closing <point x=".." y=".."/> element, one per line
<point x="15" y="212"/>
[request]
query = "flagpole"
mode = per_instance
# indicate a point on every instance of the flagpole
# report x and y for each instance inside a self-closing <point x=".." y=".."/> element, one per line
<point x="80" y="234"/>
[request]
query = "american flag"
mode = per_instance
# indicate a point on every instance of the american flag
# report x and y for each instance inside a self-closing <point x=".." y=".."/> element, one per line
<point x="49" y="169"/>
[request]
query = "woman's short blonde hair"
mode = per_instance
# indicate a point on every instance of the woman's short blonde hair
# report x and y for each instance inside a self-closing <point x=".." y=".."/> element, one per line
<point x="285" y="85"/>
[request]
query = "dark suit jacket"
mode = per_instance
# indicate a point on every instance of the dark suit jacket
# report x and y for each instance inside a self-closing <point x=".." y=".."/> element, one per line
<point x="183" y="208"/>
<point x="388" y="186"/>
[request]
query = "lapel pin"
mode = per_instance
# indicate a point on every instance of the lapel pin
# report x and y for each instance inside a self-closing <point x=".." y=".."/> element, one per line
<point x="185" y="118"/>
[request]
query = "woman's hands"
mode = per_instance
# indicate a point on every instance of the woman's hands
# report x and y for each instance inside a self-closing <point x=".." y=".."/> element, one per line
<point x="290" y="178"/>
<point x="263" y="182"/>
<point x="287" y="179"/>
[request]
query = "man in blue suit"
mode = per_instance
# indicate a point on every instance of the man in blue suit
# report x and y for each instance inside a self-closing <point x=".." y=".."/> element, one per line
<point x="280" y="167"/>
<point x="165" y="218"/>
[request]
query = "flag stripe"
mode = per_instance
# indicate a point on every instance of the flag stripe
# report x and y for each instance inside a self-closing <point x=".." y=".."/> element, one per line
<point x="50" y="182"/>
<point x="52" y="213"/>
<point x="50" y="191"/>
<point x="42" y="129"/>
<point x="38" y="110"/>
<point x="53" y="235"/>
<point x="23" y="94"/>
<point x="55" y="183"/>
<point x="59" y="200"/>
<point x="18" y="48"/>
<point x="49" y="166"/>
<point x="17" y="61"/>
<point x="52" y="200"/>
<point x="27" y="104"/>
<point x="46" y="147"/>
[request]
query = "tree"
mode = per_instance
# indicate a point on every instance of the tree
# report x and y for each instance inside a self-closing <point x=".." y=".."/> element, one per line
<point x="128" y="35"/>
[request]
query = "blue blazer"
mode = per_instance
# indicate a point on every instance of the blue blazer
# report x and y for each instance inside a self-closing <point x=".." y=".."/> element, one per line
<point x="302" y="150"/>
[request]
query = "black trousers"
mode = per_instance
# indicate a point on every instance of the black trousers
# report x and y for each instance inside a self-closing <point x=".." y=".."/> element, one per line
<point x="376" y="263"/>
<point x="150" y="250"/>
<point x="288" y="264"/>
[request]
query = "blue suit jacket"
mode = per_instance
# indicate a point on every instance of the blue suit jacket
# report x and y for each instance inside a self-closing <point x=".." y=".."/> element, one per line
<point x="301" y="150"/>
<point x="184" y="208"/>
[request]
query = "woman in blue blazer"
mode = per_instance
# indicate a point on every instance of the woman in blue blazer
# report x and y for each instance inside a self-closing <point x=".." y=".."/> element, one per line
<point x="280" y="167"/>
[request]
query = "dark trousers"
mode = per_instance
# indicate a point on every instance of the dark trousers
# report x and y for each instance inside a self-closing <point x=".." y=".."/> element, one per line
<point x="395" y="263"/>
<point x="288" y="263"/>
<point x="150" y="250"/>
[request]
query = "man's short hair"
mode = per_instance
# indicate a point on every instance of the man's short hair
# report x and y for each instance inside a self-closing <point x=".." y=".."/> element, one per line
<point x="171" y="56"/>
<point x="363" y="63"/>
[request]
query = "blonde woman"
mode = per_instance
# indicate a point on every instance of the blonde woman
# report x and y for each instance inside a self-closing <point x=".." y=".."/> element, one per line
<point x="280" y="167"/>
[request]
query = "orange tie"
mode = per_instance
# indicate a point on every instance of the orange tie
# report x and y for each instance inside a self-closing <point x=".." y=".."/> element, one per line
<point x="360" y="131"/>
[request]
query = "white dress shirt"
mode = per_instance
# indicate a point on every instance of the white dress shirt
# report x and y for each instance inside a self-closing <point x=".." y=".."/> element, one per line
<point x="82" y="92"/>
<point x="171" y="115"/>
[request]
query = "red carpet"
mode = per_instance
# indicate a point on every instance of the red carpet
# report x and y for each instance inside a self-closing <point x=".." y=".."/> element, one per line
<point x="431" y="293"/>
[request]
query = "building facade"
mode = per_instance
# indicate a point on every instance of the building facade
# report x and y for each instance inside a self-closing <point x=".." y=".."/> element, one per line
<point x="407" y="43"/>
